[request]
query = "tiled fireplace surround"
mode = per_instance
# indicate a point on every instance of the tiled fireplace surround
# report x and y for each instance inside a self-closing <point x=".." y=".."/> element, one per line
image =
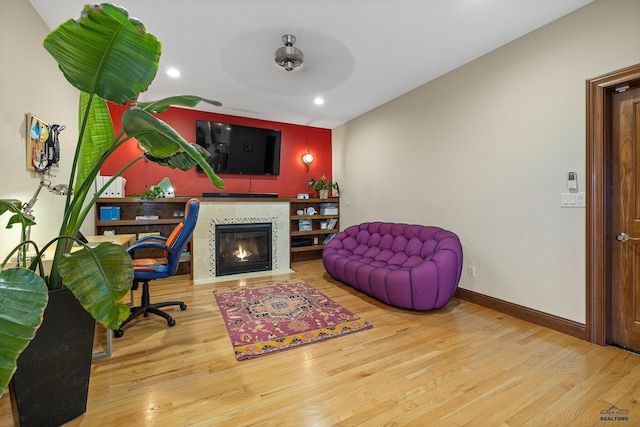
<point x="238" y="212"/>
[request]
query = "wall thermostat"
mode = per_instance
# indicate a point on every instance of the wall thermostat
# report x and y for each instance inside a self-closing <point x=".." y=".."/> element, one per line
<point x="572" y="180"/>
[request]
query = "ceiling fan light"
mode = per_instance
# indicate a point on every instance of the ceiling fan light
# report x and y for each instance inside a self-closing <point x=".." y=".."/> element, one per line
<point x="288" y="56"/>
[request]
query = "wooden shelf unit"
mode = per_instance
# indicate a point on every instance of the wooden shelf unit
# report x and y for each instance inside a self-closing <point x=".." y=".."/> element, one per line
<point x="310" y="250"/>
<point x="169" y="210"/>
<point x="166" y="209"/>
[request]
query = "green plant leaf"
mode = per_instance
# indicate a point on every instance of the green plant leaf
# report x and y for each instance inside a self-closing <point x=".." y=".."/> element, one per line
<point x="97" y="138"/>
<point x="179" y="160"/>
<point x="106" y="53"/>
<point x="162" y="105"/>
<point x="14" y="206"/>
<point x="99" y="277"/>
<point x="155" y="136"/>
<point x="23" y="297"/>
<point x="162" y="143"/>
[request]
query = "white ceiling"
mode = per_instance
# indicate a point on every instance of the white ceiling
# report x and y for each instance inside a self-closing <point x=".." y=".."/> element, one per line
<point x="359" y="54"/>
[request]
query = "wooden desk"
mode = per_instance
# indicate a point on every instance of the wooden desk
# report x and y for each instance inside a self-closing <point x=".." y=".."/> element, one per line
<point x="124" y="240"/>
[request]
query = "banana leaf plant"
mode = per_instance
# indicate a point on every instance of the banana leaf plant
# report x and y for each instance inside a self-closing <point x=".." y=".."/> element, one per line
<point x="107" y="56"/>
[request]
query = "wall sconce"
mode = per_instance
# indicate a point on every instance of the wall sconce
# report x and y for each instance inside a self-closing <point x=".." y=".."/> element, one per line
<point x="307" y="159"/>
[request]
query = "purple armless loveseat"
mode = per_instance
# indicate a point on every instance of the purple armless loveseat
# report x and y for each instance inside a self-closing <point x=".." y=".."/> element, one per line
<point x="408" y="266"/>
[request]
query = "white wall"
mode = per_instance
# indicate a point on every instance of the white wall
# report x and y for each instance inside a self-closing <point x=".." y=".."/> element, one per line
<point x="30" y="82"/>
<point x="484" y="151"/>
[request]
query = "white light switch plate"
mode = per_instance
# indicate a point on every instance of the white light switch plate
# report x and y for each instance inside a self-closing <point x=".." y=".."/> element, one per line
<point x="573" y="200"/>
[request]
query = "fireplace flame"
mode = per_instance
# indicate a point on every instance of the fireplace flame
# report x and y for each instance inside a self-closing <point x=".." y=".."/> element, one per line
<point x="241" y="253"/>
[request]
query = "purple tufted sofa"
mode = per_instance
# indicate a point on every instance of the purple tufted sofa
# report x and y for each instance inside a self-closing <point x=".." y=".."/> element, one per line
<point x="408" y="266"/>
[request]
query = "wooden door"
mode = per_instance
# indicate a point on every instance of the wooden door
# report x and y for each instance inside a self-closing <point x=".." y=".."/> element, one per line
<point x="625" y="219"/>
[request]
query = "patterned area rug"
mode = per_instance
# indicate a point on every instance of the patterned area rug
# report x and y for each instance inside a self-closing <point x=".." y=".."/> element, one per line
<point x="273" y="316"/>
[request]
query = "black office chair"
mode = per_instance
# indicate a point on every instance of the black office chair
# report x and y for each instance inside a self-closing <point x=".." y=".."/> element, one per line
<point x="147" y="269"/>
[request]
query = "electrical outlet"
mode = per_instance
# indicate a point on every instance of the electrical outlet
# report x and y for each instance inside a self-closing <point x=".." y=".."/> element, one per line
<point x="471" y="270"/>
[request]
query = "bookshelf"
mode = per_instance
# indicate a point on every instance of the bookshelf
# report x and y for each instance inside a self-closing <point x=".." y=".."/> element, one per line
<point x="307" y="243"/>
<point x="169" y="213"/>
<point x="309" y="233"/>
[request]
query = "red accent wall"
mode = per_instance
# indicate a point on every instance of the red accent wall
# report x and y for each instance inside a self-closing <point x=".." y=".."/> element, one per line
<point x="291" y="181"/>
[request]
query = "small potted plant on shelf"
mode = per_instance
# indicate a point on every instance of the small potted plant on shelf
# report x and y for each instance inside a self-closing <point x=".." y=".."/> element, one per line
<point x="108" y="56"/>
<point x="322" y="186"/>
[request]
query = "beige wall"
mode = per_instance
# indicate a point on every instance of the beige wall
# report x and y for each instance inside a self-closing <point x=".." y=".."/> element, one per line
<point x="484" y="151"/>
<point x="30" y="82"/>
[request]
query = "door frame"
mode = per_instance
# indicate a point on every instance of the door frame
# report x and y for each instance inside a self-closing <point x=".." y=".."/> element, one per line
<point x="598" y="215"/>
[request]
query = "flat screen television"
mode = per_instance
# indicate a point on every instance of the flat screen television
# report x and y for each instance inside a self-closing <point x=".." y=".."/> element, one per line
<point x="240" y="149"/>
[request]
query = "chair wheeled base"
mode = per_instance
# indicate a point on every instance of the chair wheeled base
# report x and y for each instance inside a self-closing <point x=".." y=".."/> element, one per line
<point x="146" y="307"/>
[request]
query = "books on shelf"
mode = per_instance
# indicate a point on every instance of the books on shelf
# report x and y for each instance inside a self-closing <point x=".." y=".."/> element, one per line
<point x="331" y="223"/>
<point x="328" y="238"/>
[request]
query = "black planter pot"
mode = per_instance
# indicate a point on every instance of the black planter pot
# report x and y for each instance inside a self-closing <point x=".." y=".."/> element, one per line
<point x="51" y="384"/>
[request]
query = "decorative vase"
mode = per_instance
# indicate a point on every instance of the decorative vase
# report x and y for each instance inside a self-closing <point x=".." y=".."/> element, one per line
<point x="51" y="383"/>
<point x="323" y="194"/>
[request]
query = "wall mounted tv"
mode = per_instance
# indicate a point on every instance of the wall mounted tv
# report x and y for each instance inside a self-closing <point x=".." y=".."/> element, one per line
<point x="240" y="149"/>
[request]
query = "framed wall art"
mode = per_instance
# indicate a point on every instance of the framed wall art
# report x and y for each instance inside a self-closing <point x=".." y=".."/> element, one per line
<point x="43" y="147"/>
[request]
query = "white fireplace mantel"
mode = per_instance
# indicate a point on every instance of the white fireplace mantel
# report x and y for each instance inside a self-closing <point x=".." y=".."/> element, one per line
<point x="238" y="212"/>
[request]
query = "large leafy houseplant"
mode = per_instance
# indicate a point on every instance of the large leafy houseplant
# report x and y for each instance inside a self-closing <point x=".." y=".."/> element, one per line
<point x="108" y="56"/>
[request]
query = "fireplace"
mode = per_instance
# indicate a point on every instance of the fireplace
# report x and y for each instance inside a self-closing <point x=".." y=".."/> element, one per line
<point x="243" y="248"/>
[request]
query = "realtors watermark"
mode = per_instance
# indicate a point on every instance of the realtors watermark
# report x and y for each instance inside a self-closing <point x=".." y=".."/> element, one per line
<point x="614" y="414"/>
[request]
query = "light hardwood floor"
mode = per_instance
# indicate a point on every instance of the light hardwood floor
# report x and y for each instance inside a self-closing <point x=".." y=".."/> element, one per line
<point x="457" y="366"/>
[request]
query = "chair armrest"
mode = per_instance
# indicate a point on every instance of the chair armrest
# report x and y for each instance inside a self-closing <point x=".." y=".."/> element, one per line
<point x="149" y="244"/>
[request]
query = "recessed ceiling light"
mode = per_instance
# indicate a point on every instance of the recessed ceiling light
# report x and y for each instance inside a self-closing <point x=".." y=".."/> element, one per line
<point x="173" y="72"/>
<point x="318" y="101"/>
